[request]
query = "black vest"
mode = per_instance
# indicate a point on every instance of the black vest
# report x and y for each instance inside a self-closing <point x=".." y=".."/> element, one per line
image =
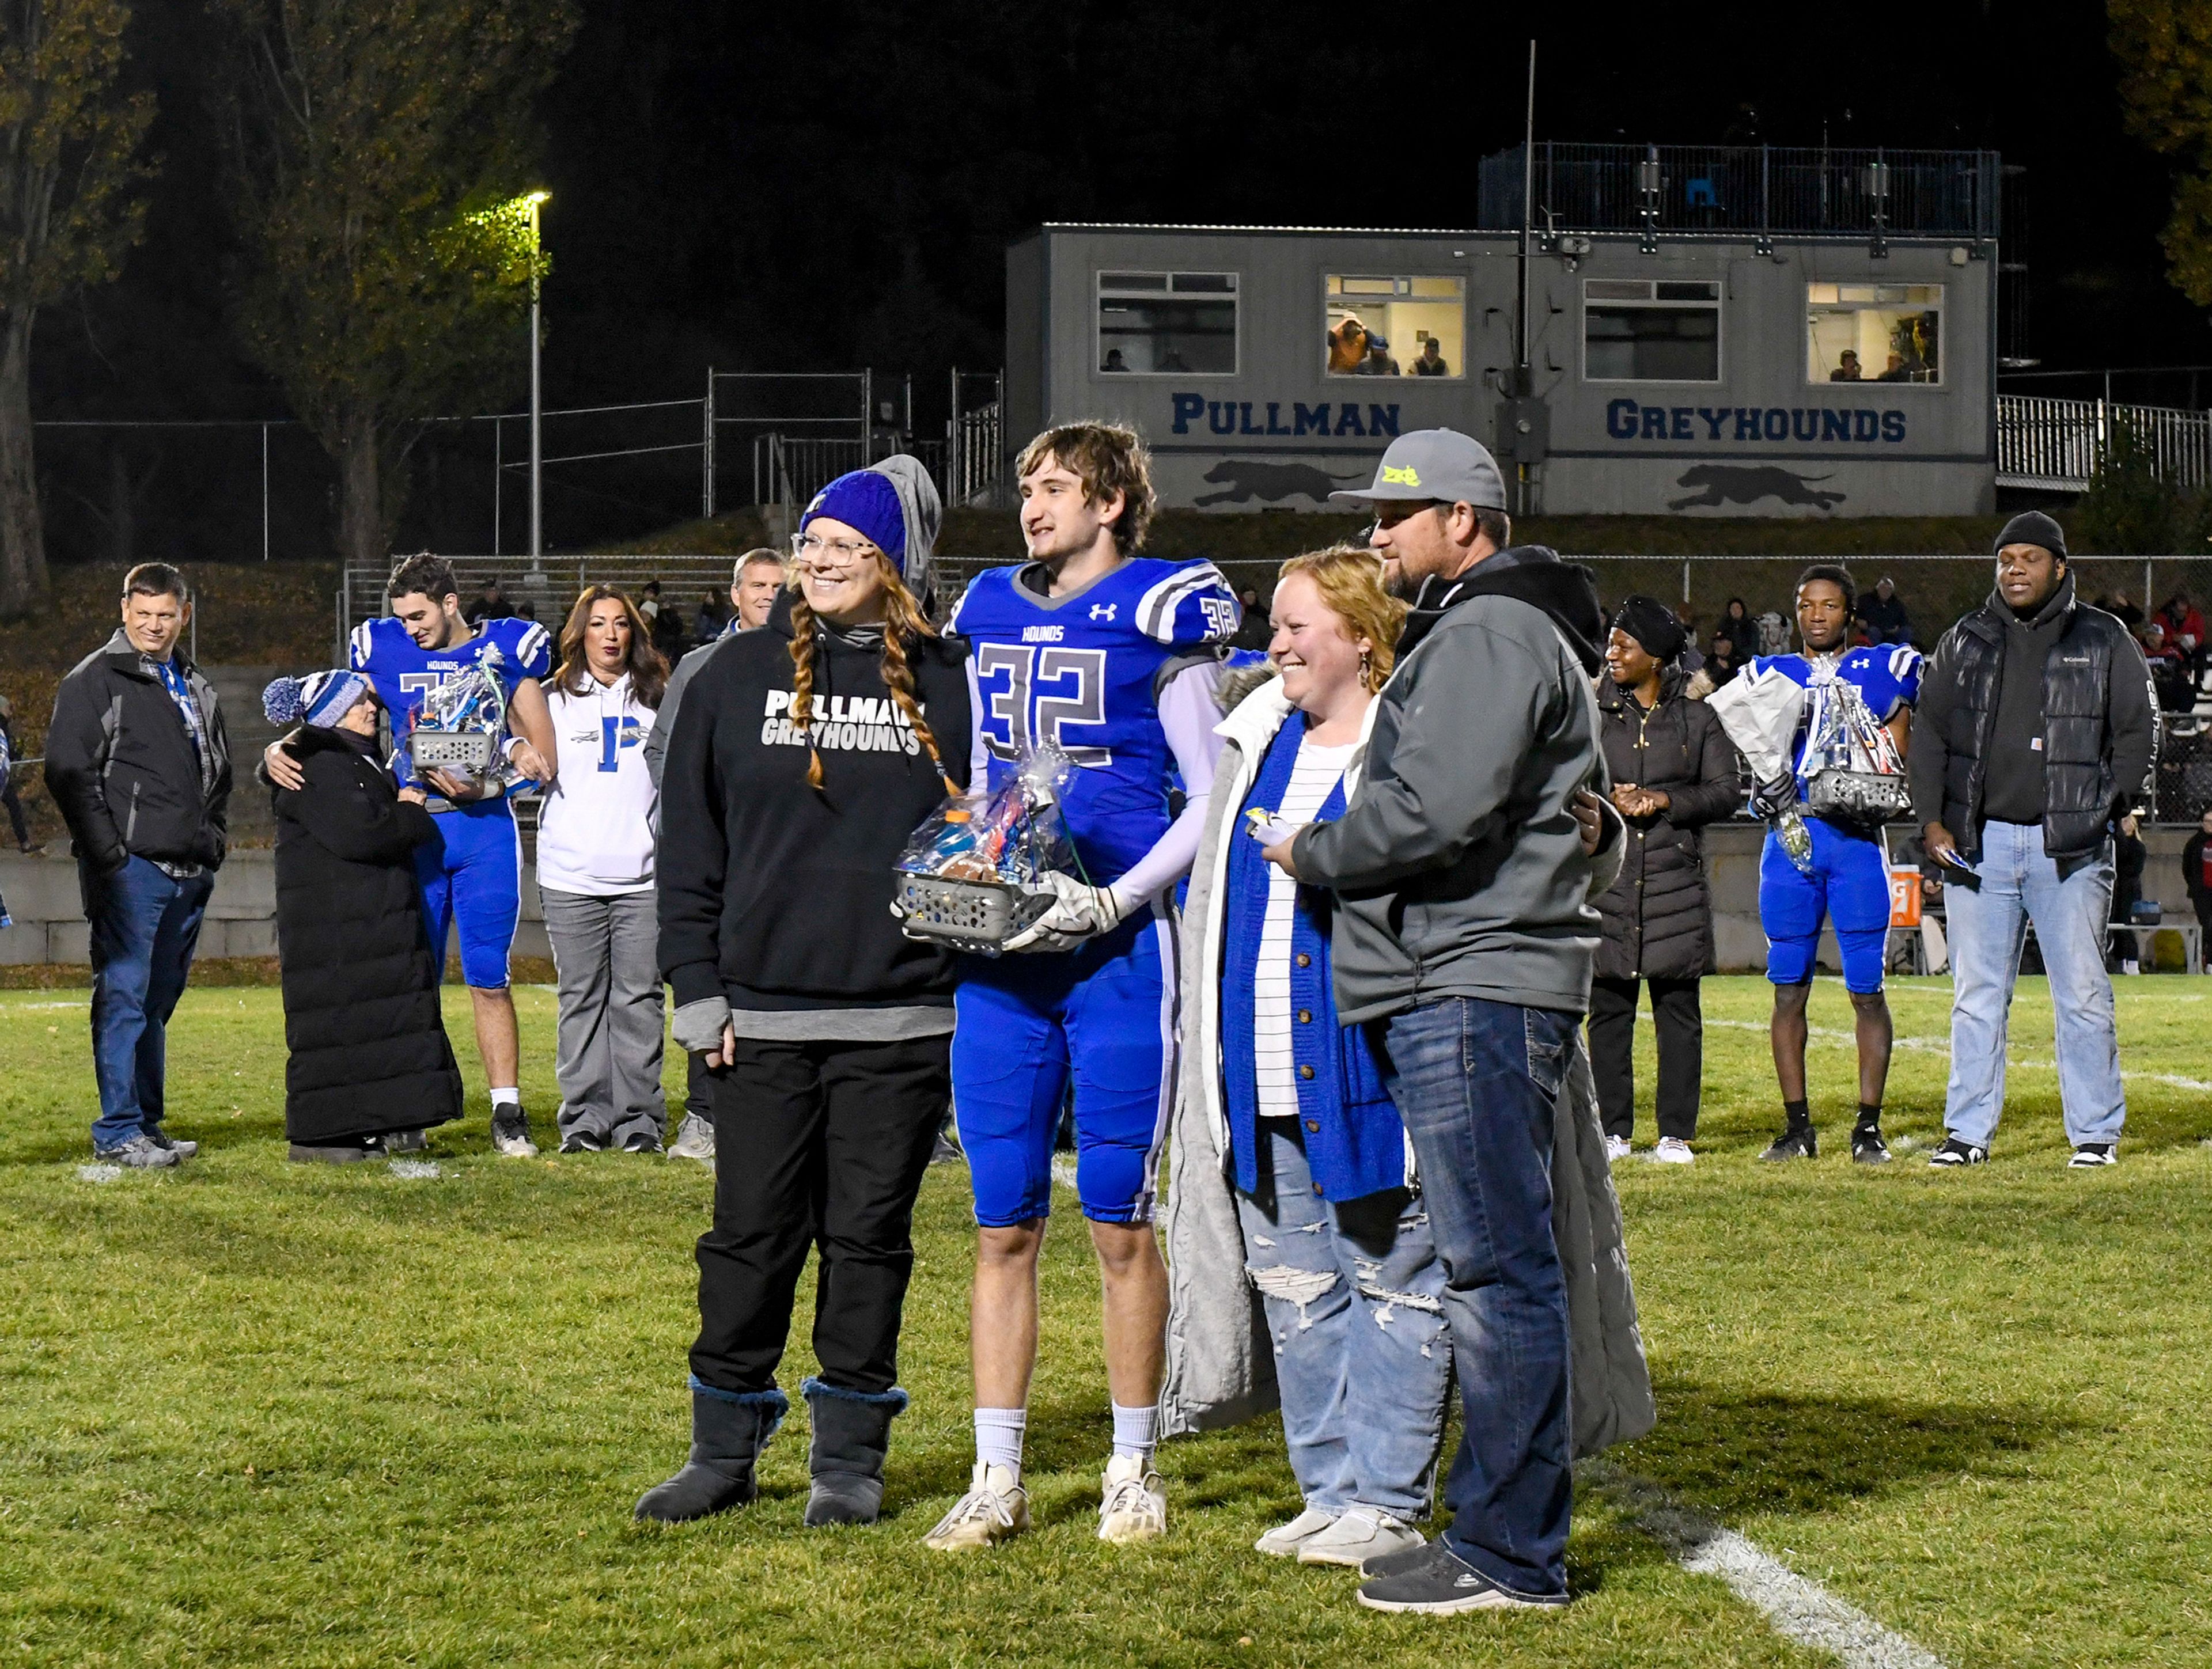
<point x="2079" y="790"/>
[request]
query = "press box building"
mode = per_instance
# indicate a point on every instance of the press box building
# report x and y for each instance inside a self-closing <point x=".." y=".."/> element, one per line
<point x="1724" y="331"/>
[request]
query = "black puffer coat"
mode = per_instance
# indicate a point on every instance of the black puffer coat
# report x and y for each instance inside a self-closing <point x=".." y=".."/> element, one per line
<point x="1658" y="916"/>
<point x="370" y="1053"/>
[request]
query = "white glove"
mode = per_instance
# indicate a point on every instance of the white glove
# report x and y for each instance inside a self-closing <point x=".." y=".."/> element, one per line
<point x="1079" y="912"/>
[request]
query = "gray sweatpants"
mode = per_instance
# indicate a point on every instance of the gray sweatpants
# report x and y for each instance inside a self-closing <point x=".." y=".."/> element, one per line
<point x="605" y="949"/>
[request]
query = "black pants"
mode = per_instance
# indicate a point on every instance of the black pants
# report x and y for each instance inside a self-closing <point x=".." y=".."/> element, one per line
<point x="15" y="823"/>
<point x="1681" y="1053"/>
<point x="816" y="1144"/>
<point x="698" y="1089"/>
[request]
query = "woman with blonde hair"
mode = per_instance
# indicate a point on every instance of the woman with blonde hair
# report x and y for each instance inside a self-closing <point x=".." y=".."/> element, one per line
<point x="802" y="759"/>
<point x="595" y="843"/>
<point x="1288" y="1106"/>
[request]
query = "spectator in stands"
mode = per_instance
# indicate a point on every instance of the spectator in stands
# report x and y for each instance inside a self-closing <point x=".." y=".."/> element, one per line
<point x="2118" y="604"/>
<point x="1881" y="611"/>
<point x="666" y="627"/>
<point x="2169" y="671"/>
<point x="1348" y="1281"/>
<point x="349" y="935"/>
<point x="2185" y="630"/>
<point x="1115" y="360"/>
<point x="17" y="823"/>
<point x="711" y="620"/>
<point x="489" y="604"/>
<point x="1348" y="347"/>
<point x="2128" y="858"/>
<point x="832" y="1029"/>
<point x="648" y="602"/>
<point x="1431" y="361"/>
<point x="138" y="759"/>
<point x="754" y="585"/>
<point x="1378" y="362"/>
<point x="595" y="868"/>
<point x="2035" y="737"/>
<point x="2196" y="877"/>
<point x="1692" y="660"/>
<point x="1725" y="659"/>
<point x="1673" y="771"/>
<point x="1742" y="629"/>
<point x="1253" y="629"/>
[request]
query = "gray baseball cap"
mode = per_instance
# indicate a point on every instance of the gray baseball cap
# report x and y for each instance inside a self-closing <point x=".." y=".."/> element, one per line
<point x="1434" y="465"/>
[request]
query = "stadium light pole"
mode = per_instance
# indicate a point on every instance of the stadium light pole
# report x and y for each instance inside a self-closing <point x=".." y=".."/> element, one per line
<point x="537" y="453"/>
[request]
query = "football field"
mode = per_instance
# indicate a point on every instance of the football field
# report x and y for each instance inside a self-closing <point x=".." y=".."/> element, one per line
<point x="260" y="1413"/>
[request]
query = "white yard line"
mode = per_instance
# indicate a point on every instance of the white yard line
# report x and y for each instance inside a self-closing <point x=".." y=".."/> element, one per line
<point x="28" y="1008"/>
<point x="1942" y="1047"/>
<point x="1799" y="1608"/>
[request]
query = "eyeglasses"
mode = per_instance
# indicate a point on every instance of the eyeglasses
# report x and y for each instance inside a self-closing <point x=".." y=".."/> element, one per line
<point x="830" y="555"/>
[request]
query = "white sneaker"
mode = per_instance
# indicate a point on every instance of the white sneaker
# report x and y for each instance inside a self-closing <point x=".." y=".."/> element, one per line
<point x="1672" y="1151"/>
<point x="1134" y="1508"/>
<point x="1616" y="1147"/>
<point x="1364" y="1533"/>
<point x="995" y="1508"/>
<point x="695" y="1139"/>
<point x="1283" y="1540"/>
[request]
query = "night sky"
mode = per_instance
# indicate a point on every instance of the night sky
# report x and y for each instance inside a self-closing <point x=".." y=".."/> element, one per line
<point x="826" y="186"/>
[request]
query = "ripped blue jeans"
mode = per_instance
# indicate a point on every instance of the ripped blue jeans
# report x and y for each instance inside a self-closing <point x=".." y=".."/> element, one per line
<point x="1475" y="1082"/>
<point x="1355" y="1296"/>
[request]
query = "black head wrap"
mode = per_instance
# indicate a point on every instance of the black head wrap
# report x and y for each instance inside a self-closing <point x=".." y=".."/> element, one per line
<point x="1652" y="624"/>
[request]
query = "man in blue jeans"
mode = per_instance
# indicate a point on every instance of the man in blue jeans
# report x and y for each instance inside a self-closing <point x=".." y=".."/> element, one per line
<point x="1464" y="936"/>
<point x="138" y="761"/>
<point x="2037" y="717"/>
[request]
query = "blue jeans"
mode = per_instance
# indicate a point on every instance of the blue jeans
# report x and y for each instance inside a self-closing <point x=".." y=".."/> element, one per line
<point x="144" y="926"/>
<point x="1474" y="1082"/>
<point x="2017" y="883"/>
<point x="1354" y="1295"/>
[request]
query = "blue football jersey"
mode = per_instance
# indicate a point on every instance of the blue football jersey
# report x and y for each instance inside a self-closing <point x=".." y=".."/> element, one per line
<point x="1084" y="672"/>
<point x="401" y="671"/>
<point x="1887" y="676"/>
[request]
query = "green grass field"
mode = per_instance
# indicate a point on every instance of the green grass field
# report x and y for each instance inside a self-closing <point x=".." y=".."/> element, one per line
<point x="262" y="1413"/>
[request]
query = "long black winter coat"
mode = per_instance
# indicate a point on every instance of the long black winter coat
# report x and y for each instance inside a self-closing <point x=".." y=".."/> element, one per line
<point x="370" y="1053"/>
<point x="1658" y="916"/>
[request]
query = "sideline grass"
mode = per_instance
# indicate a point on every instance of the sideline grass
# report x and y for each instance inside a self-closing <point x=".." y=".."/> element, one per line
<point x="261" y="1413"/>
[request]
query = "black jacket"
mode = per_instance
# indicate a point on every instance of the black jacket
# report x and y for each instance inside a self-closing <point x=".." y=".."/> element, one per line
<point x="2097" y="735"/>
<point x="777" y="894"/>
<point x="121" y="764"/>
<point x="1658" y="914"/>
<point x="2192" y="872"/>
<point x="369" y="1046"/>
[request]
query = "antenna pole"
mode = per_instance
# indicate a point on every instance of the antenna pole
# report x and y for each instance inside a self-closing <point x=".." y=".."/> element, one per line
<point x="1521" y="376"/>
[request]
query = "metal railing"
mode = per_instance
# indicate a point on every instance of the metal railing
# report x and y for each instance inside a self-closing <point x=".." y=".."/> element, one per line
<point x="2055" y="443"/>
<point x="1689" y="189"/>
<point x="548" y="587"/>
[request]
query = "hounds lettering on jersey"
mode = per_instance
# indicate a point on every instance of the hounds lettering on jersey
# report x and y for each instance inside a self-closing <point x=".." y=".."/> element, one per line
<point x="844" y="724"/>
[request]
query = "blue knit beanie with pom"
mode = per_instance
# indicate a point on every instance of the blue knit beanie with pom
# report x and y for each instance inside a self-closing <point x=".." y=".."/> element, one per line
<point x="320" y="698"/>
<point x="867" y="502"/>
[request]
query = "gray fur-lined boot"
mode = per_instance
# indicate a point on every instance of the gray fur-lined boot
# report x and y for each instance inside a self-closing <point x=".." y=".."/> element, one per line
<point x="728" y="1431"/>
<point x="851" y="1435"/>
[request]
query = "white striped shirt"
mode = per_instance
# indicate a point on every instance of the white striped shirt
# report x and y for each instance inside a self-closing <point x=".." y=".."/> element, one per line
<point x="1313" y="779"/>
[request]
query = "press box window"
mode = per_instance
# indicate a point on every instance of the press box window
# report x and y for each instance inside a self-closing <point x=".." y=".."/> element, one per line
<point x="1652" y="330"/>
<point x="1874" y="333"/>
<point x="1394" y="327"/>
<point x="1168" y="324"/>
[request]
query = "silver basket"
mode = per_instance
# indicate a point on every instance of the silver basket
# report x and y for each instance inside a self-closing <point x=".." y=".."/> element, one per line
<point x="1861" y="797"/>
<point x="469" y="752"/>
<point x="968" y="915"/>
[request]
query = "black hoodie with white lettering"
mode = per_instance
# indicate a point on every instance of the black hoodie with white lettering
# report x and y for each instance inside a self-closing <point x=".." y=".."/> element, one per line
<point x="777" y="894"/>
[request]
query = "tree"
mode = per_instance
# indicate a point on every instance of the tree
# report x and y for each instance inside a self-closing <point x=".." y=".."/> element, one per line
<point x="376" y="151"/>
<point x="70" y="210"/>
<point x="2165" y="50"/>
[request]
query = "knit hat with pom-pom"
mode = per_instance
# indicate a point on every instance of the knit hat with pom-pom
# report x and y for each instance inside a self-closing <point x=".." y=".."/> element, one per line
<point x="320" y="698"/>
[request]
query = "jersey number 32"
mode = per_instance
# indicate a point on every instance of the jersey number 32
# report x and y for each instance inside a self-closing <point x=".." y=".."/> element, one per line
<point x="1046" y="688"/>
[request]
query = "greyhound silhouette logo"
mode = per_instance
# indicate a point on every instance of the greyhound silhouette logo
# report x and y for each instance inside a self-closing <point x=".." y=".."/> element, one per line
<point x="1724" y="484"/>
<point x="1244" y="479"/>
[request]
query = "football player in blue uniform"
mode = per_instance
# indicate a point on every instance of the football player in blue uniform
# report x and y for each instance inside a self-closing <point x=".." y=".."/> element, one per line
<point x="1112" y="657"/>
<point x="471" y="875"/>
<point x="1847" y="881"/>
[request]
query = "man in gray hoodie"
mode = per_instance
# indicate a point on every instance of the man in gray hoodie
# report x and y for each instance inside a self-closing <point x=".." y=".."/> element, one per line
<point x="1464" y="934"/>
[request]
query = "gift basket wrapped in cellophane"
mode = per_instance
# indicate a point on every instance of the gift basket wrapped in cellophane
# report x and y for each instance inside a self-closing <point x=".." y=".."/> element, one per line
<point x="460" y="720"/>
<point x="972" y="877"/>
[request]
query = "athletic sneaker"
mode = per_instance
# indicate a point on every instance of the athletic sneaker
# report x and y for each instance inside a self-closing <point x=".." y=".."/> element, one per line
<point x="695" y="1139"/>
<point x="510" y="1130"/>
<point x="141" y="1152"/>
<point x="576" y="1141"/>
<point x="1956" y="1152"/>
<point x="182" y="1150"/>
<point x="1798" y="1144"/>
<point x="1134" y="1508"/>
<point x="995" y="1508"/>
<point x="1361" y="1534"/>
<point x="641" y="1141"/>
<point x="1441" y="1582"/>
<point x="406" y="1141"/>
<point x="1867" y="1147"/>
<point x="1391" y="1564"/>
<point x="1616" y="1148"/>
<point x="2090" y="1155"/>
<point x="1283" y="1541"/>
<point x="1672" y="1151"/>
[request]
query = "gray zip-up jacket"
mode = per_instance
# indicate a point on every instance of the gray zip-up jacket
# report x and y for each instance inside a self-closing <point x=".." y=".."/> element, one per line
<point x="1458" y="865"/>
